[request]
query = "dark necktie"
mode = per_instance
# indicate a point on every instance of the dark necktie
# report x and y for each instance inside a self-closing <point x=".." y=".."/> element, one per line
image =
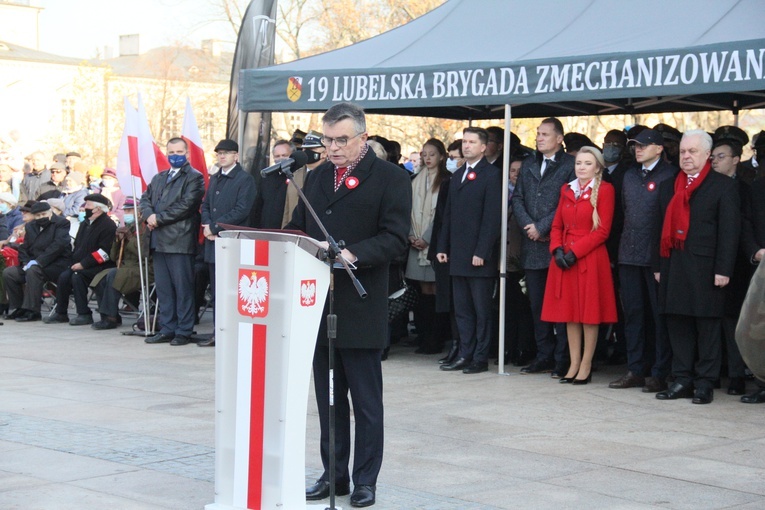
<point x="547" y="164"/>
<point x="170" y="175"/>
<point x="645" y="172"/>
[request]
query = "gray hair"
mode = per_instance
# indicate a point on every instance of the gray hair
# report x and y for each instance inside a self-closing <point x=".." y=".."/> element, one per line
<point x="104" y="208"/>
<point x="342" y="111"/>
<point x="706" y="140"/>
<point x="378" y="149"/>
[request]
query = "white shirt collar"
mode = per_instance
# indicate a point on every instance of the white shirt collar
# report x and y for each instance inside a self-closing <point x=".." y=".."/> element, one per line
<point x="574" y="185"/>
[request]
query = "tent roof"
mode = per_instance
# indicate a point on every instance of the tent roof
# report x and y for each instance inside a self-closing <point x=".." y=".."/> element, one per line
<point x="687" y="55"/>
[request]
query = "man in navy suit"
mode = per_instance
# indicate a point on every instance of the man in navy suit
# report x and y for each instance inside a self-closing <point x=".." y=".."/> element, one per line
<point x="469" y="241"/>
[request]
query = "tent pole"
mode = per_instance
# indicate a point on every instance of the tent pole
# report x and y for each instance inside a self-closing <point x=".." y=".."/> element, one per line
<point x="503" y="242"/>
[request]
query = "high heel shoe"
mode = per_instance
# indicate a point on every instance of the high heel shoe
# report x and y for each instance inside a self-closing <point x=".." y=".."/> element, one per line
<point x="566" y="380"/>
<point x="582" y="381"/>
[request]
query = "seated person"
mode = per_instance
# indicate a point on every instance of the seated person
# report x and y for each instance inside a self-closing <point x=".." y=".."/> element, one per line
<point x="45" y="253"/>
<point x="91" y="255"/>
<point x="9" y="211"/>
<point x="125" y="279"/>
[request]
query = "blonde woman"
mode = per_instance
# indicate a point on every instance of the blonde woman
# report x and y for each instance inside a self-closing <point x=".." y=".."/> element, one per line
<point x="580" y="289"/>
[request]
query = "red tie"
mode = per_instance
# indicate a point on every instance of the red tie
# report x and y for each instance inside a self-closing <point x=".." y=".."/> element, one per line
<point x="339" y="174"/>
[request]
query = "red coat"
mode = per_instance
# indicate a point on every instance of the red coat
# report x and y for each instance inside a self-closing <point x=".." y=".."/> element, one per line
<point x="585" y="292"/>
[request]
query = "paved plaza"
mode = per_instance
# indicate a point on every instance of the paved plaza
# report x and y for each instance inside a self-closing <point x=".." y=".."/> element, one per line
<point x="92" y="420"/>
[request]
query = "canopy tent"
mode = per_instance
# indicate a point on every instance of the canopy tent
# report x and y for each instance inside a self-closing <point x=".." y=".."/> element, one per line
<point x="467" y="58"/>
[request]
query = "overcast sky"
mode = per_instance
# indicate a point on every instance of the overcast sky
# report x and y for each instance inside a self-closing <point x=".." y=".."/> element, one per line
<point x="79" y="28"/>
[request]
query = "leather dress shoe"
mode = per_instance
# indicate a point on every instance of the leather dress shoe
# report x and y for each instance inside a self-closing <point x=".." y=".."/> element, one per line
<point x="18" y="312"/>
<point x="538" y="367"/>
<point x="757" y="397"/>
<point x="180" y="340"/>
<point x="363" y="495"/>
<point x="56" y="318"/>
<point x="629" y="380"/>
<point x="209" y="342"/>
<point x="159" y="338"/>
<point x="451" y="355"/>
<point x="654" y="385"/>
<point x="736" y="386"/>
<point x="703" y="396"/>
<point x="320" y="490"/>
<point x="81" y="320"/>
<point x="476" y="367"/>
<point x="29" y="316"/>
<point x="458" y="364"/>
<point x="566" y="380"/>
<point x="675" y="391"/>
<point x="578" y="382"/>
<point x="558" y="372"/>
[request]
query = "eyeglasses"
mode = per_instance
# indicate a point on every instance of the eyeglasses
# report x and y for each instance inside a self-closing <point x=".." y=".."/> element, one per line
<point x="340" y="141"/>
<point x="58" y="171"/>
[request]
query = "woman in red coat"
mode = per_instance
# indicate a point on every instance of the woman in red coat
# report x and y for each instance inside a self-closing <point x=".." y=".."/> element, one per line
<point x="580" y="290"/>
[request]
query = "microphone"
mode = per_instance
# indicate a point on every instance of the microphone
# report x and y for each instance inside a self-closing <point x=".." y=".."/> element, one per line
<point x="296" y="160"/>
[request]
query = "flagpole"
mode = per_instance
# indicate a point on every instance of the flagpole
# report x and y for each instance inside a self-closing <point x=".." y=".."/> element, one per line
<point x="144" y="288"/>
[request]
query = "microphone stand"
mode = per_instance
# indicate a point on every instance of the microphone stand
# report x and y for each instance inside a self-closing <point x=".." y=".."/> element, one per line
<point x="333" y="254"/>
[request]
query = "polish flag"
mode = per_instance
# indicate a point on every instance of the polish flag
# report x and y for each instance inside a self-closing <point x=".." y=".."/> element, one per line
<point x="128" y="168"/>
<point x="190" y="134"/>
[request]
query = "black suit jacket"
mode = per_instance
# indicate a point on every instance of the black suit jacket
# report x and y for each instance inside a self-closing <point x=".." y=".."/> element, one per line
<point x="472" y="221"/>
<point x="687" y="285"/>
<point x="373" y="219"/>
<point x="753" y="232"/>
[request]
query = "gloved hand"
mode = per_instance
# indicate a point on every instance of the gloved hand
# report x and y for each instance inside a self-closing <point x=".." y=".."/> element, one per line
<point x="560" y="258"/>
<point x="570" y="258"/>
<point x="30" y="264"/>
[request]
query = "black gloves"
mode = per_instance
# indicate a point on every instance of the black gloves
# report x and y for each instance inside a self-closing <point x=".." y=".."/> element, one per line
<point x="560" y="258"/>
<point x="570" y="259"/>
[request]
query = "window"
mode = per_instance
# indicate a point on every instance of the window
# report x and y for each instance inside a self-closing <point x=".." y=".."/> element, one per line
<point x="67" y="115"/>
<point x="209" y="126"/>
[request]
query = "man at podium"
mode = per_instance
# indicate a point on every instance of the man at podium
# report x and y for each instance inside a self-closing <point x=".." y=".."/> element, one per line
<point x="365" y="202"/>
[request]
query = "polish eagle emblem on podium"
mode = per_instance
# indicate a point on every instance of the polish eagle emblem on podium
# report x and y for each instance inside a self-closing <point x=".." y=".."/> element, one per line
<point x="307" y="292"/>
<point x="252" y="294"/>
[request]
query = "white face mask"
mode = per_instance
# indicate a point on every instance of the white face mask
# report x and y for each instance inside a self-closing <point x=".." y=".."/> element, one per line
<point x="451" y="165"/>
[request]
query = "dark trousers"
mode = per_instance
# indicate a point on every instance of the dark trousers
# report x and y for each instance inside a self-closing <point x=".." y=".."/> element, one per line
<point x="696" y="352"/>
<point x="472" y="311"/>
<point x="519" y="322"/>
<point x="212" y="290"/>
<point x="640" y="294"/>
<point x="736" y="364"/>
<point x="174" y="278"/>
<point x="19" y="296"/>
<point x="108" y="297"/>
<point x="552" y="342"/>
<point x="358" y="371"/>
<point x="72" y="282"/>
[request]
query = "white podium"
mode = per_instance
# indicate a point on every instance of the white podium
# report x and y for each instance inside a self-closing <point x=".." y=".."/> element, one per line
<point x="270" y="293"/>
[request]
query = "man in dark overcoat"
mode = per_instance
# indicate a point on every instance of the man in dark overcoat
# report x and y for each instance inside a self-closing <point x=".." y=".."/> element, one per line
<point x="469" y="242"/>
<point x="91" y="255"/>
<point x="699" y="240"/>
<point x="228" y="201"/>
<point x="44" y="254"/>
<point x="170" y="208"/>
<point x="365" y="202"/>
<point x="535" y="200"/>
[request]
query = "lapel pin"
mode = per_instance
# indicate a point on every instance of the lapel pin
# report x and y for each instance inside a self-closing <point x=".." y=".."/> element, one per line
<point x="471" y="176"/>
<point x="351" y="182"/>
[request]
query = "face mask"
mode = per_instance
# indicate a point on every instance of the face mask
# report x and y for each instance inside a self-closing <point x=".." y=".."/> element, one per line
<point x="313" y="157"/>
<point x="451" y="165"/>
<point x="129" y="219"/>
<point x="81" y="216"/>
<point x="43" y="222"/>
<point x="88" y="213"/>
<point x="611" y="153"/>
<point x="4" y="208"/>
<point x="176" y="160"/>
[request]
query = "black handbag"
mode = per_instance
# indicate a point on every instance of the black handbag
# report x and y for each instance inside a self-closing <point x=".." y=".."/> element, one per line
<point x="402" y="300"/>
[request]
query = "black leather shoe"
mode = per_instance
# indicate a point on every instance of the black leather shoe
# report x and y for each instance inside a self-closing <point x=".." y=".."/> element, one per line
<point x="476" y="367"/>
<point x="675" y="391"/>
<point x="56" y="318"/>
<point x="210" y="342"/>
<point x="159" y="338"/>
<point x="736" y="386"/>
<point x="81" y="320"/>
<point x="566" y="380"/>
<point x="451" y="355"/>
<point x="106" y="323"/>
<point x="29" y="316"/>
<point x="758" y="397"/>
<point x="703" y="396"/>
<point x="180" y="340"/>
<point x="363" y="495"/>
<point x="458" y="364"/>
<point x="558" y="372"/>
<point x="538" y="367"/>
<point x="18" y="312"/>
<point x="654" y="385"/>
<point x="582" y="381"/>
<point x="320" y="490"/>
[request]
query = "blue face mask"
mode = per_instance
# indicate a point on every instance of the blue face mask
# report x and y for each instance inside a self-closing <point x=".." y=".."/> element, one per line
<point x="451" y="165"/>
<point x="129" y="219"/>
<point x="176" y="160"/>
<point x="81" y="216"/>
<point x="4" y="208"/>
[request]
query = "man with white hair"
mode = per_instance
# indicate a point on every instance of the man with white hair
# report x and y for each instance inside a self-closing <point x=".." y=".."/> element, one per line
<point x="699" y="239"/>
<point x="90" y="256"/>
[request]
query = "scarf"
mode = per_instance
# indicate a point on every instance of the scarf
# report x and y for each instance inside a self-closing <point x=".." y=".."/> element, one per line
<point x="423" y="208"/>
<point x="677" y="219"/>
